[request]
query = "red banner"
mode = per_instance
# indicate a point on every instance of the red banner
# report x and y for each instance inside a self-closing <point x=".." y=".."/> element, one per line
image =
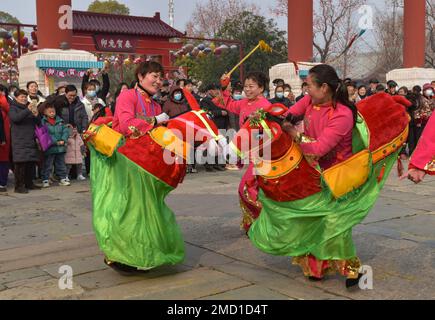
<point x="114" y="43"/>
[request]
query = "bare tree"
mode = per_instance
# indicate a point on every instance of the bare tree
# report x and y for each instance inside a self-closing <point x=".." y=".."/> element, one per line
<point x="208" y="17"/>
<point x="389" y="36"/>
<point x="334" y="26"/>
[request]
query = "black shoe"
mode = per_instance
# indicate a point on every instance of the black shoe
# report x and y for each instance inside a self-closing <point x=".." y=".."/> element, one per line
<point x="209" y="169"/>
<point x="21" y="190"/>
<point x="34" y="187"/>
<point x="3" y="189"/>
<point x="351" y="283"/>
<point x="219" y="168"/>
<point x="123" y="269"/>
<point x="315" y="279"/>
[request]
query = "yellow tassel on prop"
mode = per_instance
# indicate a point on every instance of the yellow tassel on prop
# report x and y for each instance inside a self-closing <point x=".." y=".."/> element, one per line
<point x="264" y="46"/>
<point x="261" y="45"/>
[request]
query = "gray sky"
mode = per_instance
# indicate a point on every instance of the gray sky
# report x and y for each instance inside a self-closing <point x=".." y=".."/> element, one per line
<point x="183" y="9"/>
<point x="183" y="12"/>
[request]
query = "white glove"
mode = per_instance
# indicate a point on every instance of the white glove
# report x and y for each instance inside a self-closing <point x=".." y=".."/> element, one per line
<point x="212" y="148"/>
<point x="162" y="118"/>
<point x="223" y="143"/>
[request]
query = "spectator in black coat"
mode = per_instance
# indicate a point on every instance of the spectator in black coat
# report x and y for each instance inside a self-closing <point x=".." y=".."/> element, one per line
<point x="23" y="118"/>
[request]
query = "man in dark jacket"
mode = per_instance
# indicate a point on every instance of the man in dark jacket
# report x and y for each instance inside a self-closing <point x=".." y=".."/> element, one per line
<point x="373" y="84"/>
<point x="101" y="91"/>
<point x="392" y="88"/>
<point x="219" y="117"/>
<point x="71" y="109"/>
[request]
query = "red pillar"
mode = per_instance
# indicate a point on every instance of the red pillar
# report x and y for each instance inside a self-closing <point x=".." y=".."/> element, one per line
<point x="300" y="30"/>
<point x="50" y="34"/>
<point x="414" y="34"/>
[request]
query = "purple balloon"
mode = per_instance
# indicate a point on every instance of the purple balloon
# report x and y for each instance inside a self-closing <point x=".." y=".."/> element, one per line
<point x="24" y="41"/>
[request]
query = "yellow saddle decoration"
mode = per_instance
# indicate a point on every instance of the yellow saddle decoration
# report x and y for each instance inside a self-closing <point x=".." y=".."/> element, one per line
<point x="168" y="140"/>
<point x="349" y="174"/>
<point x="104" y="139"/>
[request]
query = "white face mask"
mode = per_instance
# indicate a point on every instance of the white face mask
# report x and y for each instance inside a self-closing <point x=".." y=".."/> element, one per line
<point x="428" y="92"/>
<point x="286" y="94"/>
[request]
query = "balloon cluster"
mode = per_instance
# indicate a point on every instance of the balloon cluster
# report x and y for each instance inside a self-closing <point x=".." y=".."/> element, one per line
<point x="10" y="43"/>
<point x="118" y="60"/>
<point x="191" y="51"/>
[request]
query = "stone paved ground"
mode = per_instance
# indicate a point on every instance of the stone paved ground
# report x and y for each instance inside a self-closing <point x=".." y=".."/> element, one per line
<point x="44" y="230"/>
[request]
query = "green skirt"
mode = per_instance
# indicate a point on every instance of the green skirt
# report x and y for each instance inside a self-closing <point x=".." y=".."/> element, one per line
<point x="132" y="222"/>
<point x="319" y="225"/>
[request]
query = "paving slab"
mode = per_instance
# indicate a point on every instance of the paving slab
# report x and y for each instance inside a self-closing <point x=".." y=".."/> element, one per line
<point x="194" y="284"/>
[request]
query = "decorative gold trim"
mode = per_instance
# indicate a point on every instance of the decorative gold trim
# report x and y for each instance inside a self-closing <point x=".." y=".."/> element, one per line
<point x="277" y="168"/>
<point x="391" y="147"/>
<point x="349" y="268"/>
<point x="430" y="166"/>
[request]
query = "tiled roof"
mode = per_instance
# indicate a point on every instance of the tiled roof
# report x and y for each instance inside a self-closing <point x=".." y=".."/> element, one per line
<point x="84" y="21"/>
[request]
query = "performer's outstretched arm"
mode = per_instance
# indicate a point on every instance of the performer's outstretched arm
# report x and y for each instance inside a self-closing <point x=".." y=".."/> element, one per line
<point x="423" y="159"/>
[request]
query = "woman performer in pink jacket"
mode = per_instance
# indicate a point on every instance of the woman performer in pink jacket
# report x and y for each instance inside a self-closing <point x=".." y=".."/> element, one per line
<point x="255" y="85"/>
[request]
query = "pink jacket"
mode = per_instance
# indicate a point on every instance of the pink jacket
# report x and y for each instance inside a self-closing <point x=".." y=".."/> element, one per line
<point x="74" y="150"/>
<point x="131" y="105"/>
<point x="242" y="108"/>
<point x="330" y="128"/>
<point x="423" y="157"/>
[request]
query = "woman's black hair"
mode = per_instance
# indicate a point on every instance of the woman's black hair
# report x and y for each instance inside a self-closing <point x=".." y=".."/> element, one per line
<point x="259" y="78"/>
<point x="70" y="88"/>
<point x="20" y="92"/>
<point x="100" y="113"/>
<point x="4" y="90"/>
<point x="279" y="86"/>
<point x="380" y="88"/>
<point x="237" y="87"/>
<point x="148" y="67"/>
<point x="416" y="89"/>
<point x="324" y="73"/>
<point x="404" y="89"/>
<point x="29" y="83"/>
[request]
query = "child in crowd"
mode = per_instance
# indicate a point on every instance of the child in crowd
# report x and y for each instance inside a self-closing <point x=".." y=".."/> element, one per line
<point x="75" y="153"/>
<point x="59" y="133"/>
<point x="100" y="111"/>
